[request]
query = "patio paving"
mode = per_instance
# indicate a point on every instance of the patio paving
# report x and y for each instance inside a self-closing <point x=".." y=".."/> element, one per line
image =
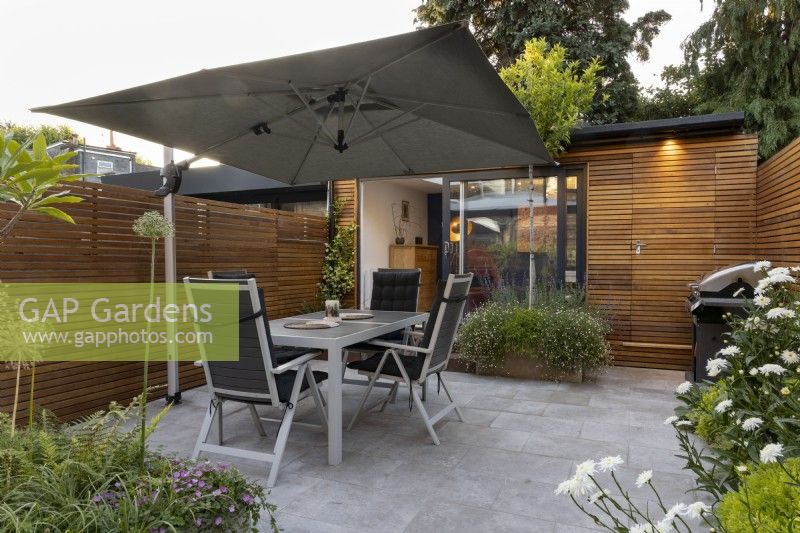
<point x="496" y="472"/>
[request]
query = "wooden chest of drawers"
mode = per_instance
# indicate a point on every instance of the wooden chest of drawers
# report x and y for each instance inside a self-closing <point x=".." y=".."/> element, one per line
<point x="422" y="257"/>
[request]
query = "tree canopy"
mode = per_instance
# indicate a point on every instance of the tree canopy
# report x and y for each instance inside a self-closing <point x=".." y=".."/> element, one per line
<point x="553" y="90"/>
<point x="747" y="56"/>
<point x="22" y="133"/>
<point x="587" y="29"/>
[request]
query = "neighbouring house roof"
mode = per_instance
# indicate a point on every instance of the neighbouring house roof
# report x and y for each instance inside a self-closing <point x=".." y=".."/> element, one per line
<point x="719" y="123"/>
<point x="69" y="145"/>
<point x="200" y="180"/>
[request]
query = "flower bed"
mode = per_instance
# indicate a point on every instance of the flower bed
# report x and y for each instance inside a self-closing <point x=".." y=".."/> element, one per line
<point x="740" y="435"/>
<point x="89" y="477"/>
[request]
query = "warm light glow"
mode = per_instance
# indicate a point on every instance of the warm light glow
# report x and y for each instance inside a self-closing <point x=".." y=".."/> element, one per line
<point x="455" y="229"/>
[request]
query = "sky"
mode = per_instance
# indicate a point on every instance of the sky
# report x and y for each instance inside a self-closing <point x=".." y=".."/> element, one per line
<point x="64" y="51"/>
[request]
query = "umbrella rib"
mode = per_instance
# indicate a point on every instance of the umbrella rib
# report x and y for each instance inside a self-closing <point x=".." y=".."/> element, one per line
<point x="310" y="147"/>
<point x="313" y="113"/>
<point x="410" y="53"/>
<point x="447" y="105"/>
<point x="358" y="107"/>
<point x="409" y="170"/>
<point x="282" y="116"/>
<point x="376" y="129"/>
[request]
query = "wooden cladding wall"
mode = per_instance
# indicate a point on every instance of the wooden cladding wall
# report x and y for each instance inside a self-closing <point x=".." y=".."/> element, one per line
<point x="284" y="250"/>
<point x="691" y="203"/>
<point x="779" y="206"/>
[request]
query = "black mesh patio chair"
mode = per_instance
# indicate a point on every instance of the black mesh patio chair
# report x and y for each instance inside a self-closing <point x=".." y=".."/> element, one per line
<point x="257" y="378"/>
<point x="393" y="289"/>
<point x="282" y="353"/>
<point x="412" y="364"/>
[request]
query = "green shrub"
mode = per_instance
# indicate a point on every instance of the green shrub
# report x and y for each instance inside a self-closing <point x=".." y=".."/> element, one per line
<point x="768" y="501"/>
<point x="557" y="336"/>
<point x="89" y="477"/>
<point x="749" y="415"/>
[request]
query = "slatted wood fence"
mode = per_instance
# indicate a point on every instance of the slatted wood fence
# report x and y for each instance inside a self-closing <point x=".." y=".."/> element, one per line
<point x="284" y="250"/>
<point x="779" y="206"/>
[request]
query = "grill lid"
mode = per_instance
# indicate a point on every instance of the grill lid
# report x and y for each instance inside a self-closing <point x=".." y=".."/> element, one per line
<point x="739" y="275"/>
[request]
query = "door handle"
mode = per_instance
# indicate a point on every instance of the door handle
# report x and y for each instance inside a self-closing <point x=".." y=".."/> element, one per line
<point x="638" y="246"/>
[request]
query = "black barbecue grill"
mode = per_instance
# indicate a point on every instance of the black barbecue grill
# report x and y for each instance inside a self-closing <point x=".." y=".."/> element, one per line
<point x="710" y="300"/>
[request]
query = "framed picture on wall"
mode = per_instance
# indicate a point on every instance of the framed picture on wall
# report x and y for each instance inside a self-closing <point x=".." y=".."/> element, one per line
<point x="405" y="210"/>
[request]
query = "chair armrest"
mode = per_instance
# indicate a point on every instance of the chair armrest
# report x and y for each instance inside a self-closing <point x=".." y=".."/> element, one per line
<point x="400" y="347"/>
<point x="295" y="362"/>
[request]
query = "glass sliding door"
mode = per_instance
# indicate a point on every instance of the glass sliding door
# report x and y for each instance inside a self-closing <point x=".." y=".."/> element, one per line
<point x="494" y="224"/>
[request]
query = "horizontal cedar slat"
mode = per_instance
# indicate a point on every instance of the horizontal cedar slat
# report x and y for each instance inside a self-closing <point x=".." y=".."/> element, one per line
<point x="284" y="250"/>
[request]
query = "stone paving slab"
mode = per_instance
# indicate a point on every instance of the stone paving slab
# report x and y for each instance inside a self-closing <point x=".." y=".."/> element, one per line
<point x="495" y="472"/>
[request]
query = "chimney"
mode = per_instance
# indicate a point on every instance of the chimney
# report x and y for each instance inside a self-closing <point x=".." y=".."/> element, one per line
<point x="111" y="145"/>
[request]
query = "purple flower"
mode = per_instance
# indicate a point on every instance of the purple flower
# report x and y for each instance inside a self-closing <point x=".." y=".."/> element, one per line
<point x="247" y="498"/>
<point x="232" y="508"/>
<point x="97" y="499"/>
<point x="117" y="484"/>
<point x="176" y="475"/>
<point x="223" y="489"/>
<point x="216" y="492"/>
<point x="218" y="521"/>
<point x="197" y="494"/>
<point x="198" y="522"/>
<point x="184" y="473"/>
<point x="198" y="473"/>
<point x="201" y="484"/>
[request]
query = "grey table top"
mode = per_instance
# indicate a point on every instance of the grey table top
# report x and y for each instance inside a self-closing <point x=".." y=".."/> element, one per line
<point x="349" y="332"/>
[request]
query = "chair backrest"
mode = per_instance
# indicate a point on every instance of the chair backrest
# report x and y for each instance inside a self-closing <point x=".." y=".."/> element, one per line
<point x="445" y="317"/>
<point x="229" y="274"/>
<point x="251" y="376"/>
<point x="395" y="289"/>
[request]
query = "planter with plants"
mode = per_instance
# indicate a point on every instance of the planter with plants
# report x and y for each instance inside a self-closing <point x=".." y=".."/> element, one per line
<point x="561" y="338"/>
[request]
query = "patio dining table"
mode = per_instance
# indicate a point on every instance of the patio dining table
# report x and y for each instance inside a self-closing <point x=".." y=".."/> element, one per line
<point x="334" y="340"/>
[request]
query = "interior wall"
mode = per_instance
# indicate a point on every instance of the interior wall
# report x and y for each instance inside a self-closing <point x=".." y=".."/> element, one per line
<point x="377" y="231"/>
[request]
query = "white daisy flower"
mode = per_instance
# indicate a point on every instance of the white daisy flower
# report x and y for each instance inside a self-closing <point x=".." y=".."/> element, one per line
<point x="681" y="423"/>
<point x="762" y="301"/>
<point x="741" y="468"/>
<point x="684" y="387"/>
<point x="586" y="468"/>
<point x="696" y="510"/>
<point x="738" y="292"/>
<point x="780" y="312"/>
<point x="596" y="496"/>
<point x="770" y="453"/>
<point x="715" y="366"/>
<point x="644" y="478"/>
<point x="675" y="510"/>
<point x="770" y="369"/>
<point x="782" y="276"/>
<point x="730" y="350"/>
<point x="761" y="265"/>
<point x="639" y="528"/>
<point x="575" y="486"/>
<point x="785" y="391"/>
<point x="723" y="406"/>
<point x="753" y="371"/>
<point x="752" y="423"/>
<point x="790" y="357"/>
<point x="610" y="463"/>
<point x="670" y="420"/>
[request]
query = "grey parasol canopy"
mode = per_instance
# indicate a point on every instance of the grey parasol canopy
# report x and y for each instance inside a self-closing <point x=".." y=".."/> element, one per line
<point x="421" y="102"/>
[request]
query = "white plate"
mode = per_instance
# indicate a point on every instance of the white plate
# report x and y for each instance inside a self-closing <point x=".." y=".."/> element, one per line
<point x="356" y="316"/>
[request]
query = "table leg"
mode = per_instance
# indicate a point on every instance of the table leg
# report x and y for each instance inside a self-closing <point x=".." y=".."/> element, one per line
<point x="334" y="406"/>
